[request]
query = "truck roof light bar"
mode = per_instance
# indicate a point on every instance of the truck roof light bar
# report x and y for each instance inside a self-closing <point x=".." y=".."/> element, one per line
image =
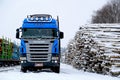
<point x="39" y="18"/>
<point x="31" y="18"/>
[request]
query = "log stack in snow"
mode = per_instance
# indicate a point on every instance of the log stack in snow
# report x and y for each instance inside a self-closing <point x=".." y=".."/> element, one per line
<point x="96" y="48"/>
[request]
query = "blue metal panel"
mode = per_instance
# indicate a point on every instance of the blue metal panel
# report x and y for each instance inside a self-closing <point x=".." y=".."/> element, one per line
<point x="15" y="53"/>
<point x="15" y="56"/>
<point x="23" y="47"/>
<point x="55" y="47"/>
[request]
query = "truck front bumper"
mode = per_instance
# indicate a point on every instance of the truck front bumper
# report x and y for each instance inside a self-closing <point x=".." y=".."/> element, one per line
<point x="26" y="64"/>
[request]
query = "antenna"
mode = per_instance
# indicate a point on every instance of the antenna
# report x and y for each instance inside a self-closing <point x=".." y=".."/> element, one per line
<point x="58" y="21"/>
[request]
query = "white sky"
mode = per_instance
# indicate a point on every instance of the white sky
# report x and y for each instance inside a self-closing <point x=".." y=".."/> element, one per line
<point x="72" y="14"/>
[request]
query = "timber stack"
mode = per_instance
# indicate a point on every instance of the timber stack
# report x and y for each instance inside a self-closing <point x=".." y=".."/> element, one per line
<point x="9" y="53"/>
<point x="96" y="48"/>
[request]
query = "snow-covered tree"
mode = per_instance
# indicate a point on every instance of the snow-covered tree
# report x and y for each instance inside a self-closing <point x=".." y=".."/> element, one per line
<point x="109" y="13"/>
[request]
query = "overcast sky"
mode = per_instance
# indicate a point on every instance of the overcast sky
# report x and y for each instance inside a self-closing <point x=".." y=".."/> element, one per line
<point x="72" y="14"/>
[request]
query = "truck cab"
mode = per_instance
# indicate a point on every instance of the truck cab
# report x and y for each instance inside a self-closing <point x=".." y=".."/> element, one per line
<point x="40" y="43"/>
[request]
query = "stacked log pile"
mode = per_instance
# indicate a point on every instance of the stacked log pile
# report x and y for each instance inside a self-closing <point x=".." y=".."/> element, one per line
<point x="5" y="48"/>
<point x="96" y="48"/>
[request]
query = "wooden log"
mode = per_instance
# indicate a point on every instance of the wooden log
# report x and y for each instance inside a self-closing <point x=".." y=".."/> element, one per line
<point x="91" y="50"/>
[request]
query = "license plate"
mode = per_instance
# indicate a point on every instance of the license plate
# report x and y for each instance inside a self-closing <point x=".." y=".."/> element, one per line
<point x="38" y="64"/>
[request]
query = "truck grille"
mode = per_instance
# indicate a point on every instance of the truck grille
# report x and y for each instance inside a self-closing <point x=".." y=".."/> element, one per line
<point x="39" y="52"/>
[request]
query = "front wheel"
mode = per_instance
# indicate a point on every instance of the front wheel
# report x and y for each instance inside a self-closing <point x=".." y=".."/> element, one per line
<point x="24" y="70"/>
<point x="56" y="69"/>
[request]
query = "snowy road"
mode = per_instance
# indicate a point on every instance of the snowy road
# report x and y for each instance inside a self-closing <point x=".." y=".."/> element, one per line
<point x="67" y="73"/>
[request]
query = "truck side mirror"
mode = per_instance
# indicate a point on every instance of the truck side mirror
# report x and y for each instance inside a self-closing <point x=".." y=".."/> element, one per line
<point x="61" y="35"/>
<point x="17" y="33"/>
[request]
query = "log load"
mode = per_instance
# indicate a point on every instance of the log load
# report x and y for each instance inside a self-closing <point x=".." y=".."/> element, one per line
<point x="96" y="48"/>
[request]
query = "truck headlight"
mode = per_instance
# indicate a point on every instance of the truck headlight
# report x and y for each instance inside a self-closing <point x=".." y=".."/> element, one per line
<point x="31" y="18"/>
<point x="22" y="58"/>
<point x="47" y="18"/>
<point x="23" y="61"/>
<point x="55" y="58"/>
<point x="36" y="18"/>
<point x="56" y="61"/>
<point x="41" y="18"/>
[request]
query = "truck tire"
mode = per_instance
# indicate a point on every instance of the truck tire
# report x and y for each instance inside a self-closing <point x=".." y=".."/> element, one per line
<point x="24" y="70"/>
<point x="56" y="69"/>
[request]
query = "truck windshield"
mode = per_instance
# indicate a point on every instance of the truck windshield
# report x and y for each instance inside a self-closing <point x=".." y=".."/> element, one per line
<point x="39" y="33"/>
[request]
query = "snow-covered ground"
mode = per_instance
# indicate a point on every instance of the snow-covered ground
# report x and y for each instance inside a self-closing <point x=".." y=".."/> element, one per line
<point x="67" y="73"/>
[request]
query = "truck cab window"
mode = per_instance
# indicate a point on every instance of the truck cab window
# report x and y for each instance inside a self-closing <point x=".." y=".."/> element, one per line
<point x="39" y="33"/>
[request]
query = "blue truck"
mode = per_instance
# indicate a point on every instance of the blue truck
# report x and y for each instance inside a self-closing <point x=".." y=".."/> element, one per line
<point x="40" y="43"/>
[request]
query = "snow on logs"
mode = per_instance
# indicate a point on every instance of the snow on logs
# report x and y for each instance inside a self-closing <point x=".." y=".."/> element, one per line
<point x="96" y="48"/>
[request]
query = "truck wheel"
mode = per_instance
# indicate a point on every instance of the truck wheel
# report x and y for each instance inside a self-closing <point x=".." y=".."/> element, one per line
<point x="24" y="70"/>
<point x="56" y="69"/>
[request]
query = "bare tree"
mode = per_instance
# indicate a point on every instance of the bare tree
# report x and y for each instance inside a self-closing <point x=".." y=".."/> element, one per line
<point x="109" y="13"/>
